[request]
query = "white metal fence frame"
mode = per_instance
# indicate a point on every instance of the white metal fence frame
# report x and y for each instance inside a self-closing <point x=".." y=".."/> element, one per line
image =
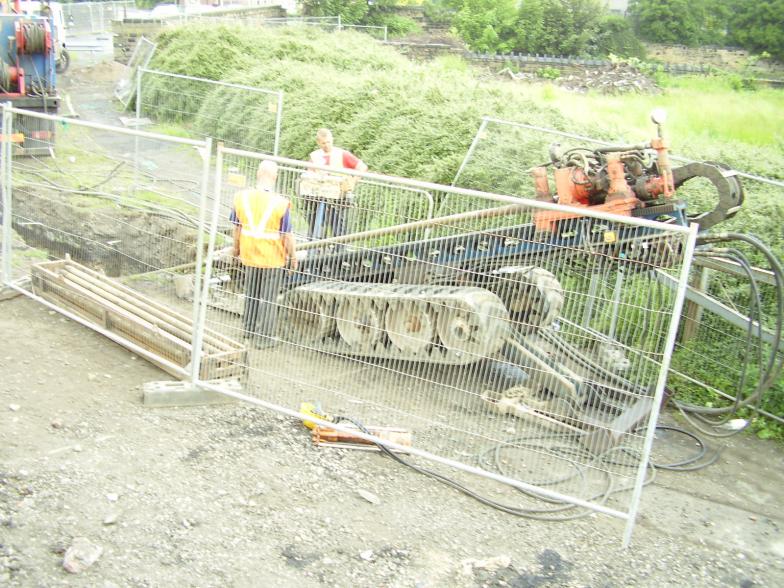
<point x="203" y="147"/>
<point x="496" y="199"/>
<point x="732" y="317"/>
<point x="84" y="18"/>
<point x="277" y="105"/>
<point x="486" y="120"/>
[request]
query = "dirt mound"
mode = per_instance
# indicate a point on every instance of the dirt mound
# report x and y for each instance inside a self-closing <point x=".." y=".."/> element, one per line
<point x="621" y="79"/>
<point x="101" y="72"/>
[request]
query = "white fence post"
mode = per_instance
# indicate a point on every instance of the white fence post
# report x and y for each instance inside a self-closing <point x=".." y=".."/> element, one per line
<point x="199" y="310"/>
<point x="669" y="346"/>
<point x="6" y="179"/>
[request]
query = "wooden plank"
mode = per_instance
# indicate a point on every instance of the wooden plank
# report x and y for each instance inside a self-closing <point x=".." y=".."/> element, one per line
<point x="108" y="304"/>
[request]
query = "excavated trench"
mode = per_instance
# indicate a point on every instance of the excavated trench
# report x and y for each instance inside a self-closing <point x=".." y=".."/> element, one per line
<point x="103" y="235"/>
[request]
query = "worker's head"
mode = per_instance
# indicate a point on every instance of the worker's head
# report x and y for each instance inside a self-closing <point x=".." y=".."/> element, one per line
<point x="324" y="139"/>
<point x="267" y="174"/>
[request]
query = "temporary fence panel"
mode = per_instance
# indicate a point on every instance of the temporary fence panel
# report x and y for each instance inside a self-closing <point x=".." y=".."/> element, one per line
<point x="240" y="116"/>
<point x="326" y="23"/>
<point x="716" y="325"/>
<point x="243" y="18"/>
<point x="127" y="85"/>
<point x="729" y="343"/>
<point x="464" y="330"/>
<point x="83" y="18"/>
<point x="103" y="238"/>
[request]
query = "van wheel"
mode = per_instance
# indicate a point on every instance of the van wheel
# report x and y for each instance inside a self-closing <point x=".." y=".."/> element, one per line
<point x="62" y="64"/>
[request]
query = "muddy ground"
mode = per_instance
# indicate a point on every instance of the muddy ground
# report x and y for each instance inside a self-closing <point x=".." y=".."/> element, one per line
<point x="234" y="495"/>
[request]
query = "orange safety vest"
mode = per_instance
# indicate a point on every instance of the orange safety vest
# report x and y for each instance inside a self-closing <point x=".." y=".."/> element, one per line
<point x="260" y="212"/>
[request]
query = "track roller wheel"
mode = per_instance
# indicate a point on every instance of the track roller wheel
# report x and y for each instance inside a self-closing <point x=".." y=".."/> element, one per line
<point x="309" y="320"/>
<point x="410" y="326"/>
<point x="359" y="323"/>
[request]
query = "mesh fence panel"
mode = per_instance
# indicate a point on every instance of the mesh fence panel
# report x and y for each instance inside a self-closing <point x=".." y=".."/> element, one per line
<point x="467" y="335"/>
<point x="100" y="236"/>
<point x="720" y="355"/>
<point x="717" y="357"/>
<point x="240" y="116"/>
<point x="468" y="330"/>
<point x="93" y="17"/>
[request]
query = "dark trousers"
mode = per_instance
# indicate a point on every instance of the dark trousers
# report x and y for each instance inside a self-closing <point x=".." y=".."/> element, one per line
<point x="323" y="215"/>
<point x="262" y="286"/>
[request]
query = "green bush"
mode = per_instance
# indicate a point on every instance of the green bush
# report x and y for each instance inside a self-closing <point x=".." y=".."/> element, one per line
<point x="549" y="73"/>
<point x="397" y="26"/>
<point x="440" y="12"/>
<point x="614" y="36"/>
<point x="401" y="118"/>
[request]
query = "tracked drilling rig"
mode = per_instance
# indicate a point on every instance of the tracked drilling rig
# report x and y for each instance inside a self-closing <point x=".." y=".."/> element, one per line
<point x="481" y="295"/>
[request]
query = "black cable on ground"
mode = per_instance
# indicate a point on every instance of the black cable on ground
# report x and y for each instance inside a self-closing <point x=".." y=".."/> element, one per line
<point x="545" y="514"/>
<point x="773" y="367"/>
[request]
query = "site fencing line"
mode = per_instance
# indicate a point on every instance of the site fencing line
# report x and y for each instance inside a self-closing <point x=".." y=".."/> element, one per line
<point x="97" y="235"/>
<point x="461" y="327"/>
<point x="455" y="330"/>
<point x="326" y="23"/>
<point x="241" y="116"/>
<point x="723" y="333"/>
<point x="84" y="18"/>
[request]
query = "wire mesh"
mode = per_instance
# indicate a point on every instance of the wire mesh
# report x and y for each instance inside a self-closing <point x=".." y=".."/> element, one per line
<point x="102" y="237"/>
<point x="240" y="116"/>
<point x="93" y="17"/>
<point x="327" y="23"/>
<point x="727" y="341"/>
<point x="466" y="330"/>
<point x="719" y="356"/>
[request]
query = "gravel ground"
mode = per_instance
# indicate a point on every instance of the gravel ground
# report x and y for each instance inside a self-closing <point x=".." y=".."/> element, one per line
<point x="233" y="495"/>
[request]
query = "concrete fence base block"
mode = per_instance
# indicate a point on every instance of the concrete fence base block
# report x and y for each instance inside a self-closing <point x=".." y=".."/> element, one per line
<point x="7" y="292"/>
<point x="170" y="393"/>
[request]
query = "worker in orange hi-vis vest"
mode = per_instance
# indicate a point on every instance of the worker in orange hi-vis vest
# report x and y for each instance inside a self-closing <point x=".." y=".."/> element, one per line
<point x="335" y="213"/>
<point x="264" y="243"/>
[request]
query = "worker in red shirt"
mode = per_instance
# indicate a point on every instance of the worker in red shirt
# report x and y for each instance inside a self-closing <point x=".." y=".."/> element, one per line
<point x="264" y="243"/>
<point x="335" y="213"/>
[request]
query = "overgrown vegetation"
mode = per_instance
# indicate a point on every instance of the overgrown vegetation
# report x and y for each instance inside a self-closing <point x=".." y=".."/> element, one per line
<point x="419" y="120"/>
<point x="756" y="26"/>
<point x="552" y="27"/>
<point x="402" y="118"/>
<point x="361" y="12"/>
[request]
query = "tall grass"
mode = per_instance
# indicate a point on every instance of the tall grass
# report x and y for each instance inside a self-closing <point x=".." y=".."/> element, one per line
<point x="704" y="109"/>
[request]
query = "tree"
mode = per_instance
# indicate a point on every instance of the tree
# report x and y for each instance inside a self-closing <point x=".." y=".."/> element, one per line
<point x="758" y="26"/>
<point x="615" y="36"/>
<point x="487" y="25"/>
<point x="671" y="21"/>
<point x="530" y="27"/>
<point x="558" y="27"/>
